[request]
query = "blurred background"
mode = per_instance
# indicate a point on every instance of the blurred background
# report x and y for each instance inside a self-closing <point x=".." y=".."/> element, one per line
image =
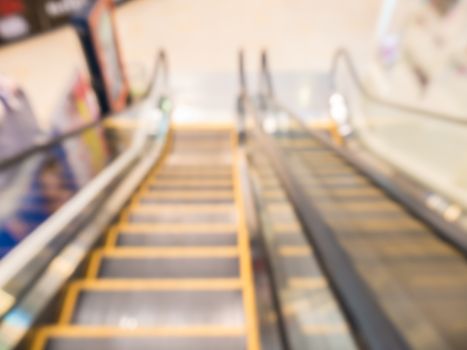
<point x="346" y="119"/>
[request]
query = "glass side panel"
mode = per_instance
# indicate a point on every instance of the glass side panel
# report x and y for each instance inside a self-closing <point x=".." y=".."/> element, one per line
<point x="32" y="190"/>
<point x="429" y="149"/>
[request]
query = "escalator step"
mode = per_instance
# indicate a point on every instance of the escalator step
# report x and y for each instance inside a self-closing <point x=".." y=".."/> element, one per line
<point x="194" y="200"/>
<point x="189" y="187"/>
<point x="194" y="176"/>
<point x="193" y="170"/>
<point x="155" y="303"/>
<point x="177" y="239"/>
<point x="180" y="217"/>
<point x="79" y="338"/>
<point x="182" y="213"/>
<point x="190" y="208"/>
<point x="191" y="181"/>
<point x="147" y="343"/>
<point x="170" y="228"/>
<point x="194" y="193"/>
<point x="168" y="267"/>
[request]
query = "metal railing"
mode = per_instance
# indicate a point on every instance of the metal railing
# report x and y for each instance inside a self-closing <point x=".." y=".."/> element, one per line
<point x="343" y="56"/>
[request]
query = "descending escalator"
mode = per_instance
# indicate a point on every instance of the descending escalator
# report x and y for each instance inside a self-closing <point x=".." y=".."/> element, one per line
<point x="174" y="271"/>
<point x="397" y="269"/>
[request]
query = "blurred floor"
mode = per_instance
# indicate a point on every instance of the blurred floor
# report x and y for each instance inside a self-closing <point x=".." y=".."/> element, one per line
<point x="202" y="37"/>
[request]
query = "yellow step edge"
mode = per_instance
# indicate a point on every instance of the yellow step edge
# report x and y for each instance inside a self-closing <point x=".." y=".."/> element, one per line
<point x="246" y="270"/>
<point x="224" y="251"/>
<point x="294" y="250"/>
<point x="40" y="340"/>
<point x="124" y="214"/>
<point x="157" y="284"/>
<point x="109" y="285"/>
<point x="111" y="236"/>
<point x="106" y="331"/>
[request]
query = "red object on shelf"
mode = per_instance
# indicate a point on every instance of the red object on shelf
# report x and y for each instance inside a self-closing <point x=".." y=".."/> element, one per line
<point x="9" y="7"/>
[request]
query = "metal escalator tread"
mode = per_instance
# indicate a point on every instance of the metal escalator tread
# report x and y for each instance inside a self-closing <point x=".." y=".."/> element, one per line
<point x="179" y="240"/>
<point x="152" y="303"/>
<point x="175" y="270"/>
<point x="165" y="262"/>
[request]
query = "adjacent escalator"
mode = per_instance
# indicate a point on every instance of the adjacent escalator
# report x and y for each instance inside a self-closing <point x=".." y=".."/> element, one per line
<point x="417" y="279"/>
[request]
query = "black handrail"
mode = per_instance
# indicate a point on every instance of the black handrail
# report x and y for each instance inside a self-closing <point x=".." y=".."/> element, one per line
<point x="266" y="87"/>
<point x="161" y="62"/>
<point x="370" y="323"/>
<point x="17" y="158"/>
<point x="343" y="55"/>
<point x="242" y="74"/>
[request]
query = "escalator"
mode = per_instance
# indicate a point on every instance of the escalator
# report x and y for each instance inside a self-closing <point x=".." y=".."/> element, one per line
<point x="174" y="271"/>
<point x="399" y="270"/>
<point x="160" y="256"/>
<point x="156" y="251"/>
<point x="417" y="278"/>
